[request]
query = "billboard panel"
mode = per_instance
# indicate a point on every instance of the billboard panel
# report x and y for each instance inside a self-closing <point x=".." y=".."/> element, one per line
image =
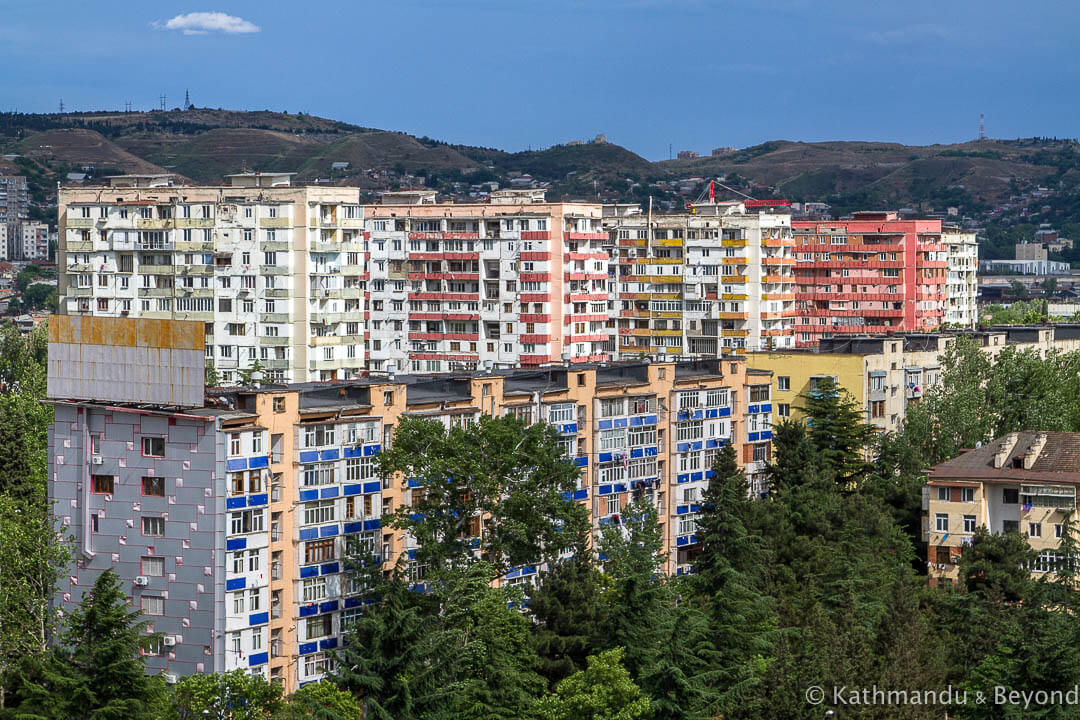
<point x="126" y="360"/>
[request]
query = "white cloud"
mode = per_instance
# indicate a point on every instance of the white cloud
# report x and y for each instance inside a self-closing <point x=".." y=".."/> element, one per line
<point x="908" y="34"/>
<point x="201" y="23"/>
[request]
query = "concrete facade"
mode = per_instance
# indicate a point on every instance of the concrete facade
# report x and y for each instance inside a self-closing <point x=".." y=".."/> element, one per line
<point x="1023" y="482"/>
<point x="262" y="494"/>
<point x="874" y="273"/>
<point x="719" y="279"/>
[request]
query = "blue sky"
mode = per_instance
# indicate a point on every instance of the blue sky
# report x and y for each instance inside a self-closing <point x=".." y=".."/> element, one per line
<point x="694" y="74"/>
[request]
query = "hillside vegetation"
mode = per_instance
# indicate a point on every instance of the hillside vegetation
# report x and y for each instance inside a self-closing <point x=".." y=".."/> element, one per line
<point x="203" y="144"/>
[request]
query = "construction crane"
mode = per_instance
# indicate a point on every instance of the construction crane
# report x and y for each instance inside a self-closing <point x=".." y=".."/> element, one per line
<point x="710" y="193"/>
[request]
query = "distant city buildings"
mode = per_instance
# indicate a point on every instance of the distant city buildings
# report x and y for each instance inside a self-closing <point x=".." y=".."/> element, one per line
<point x="1031" y="259"/>
<point x="874" y="273"/>
<point x="312" y="285"/>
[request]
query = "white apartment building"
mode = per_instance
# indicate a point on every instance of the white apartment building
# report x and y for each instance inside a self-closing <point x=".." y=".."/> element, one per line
<point x="962" y="284"/>
<point x="719" y="278"/>
<point x="34" y="237"/>
<point x="276" y="272"/>
<point x="517" y="281"/>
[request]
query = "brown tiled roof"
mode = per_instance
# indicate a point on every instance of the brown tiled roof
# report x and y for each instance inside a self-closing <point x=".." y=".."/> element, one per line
<point x="1058" y="461"/>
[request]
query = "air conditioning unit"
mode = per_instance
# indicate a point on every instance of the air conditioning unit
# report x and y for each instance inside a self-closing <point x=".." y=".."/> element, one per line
<point x="96" y="460"/>
<point x="168" y="641"/>
<point x="170" y="678"/>
<point x="142" y="580"/>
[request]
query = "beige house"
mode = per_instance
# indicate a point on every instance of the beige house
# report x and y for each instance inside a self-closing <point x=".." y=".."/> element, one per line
<point x="1023" y="482"/>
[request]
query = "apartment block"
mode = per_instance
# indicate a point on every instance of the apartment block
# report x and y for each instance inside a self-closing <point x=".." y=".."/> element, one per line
<point x="718" y="279"/>
<point x="277" y="273"/>
<point x="874" y="273"/>
<point x="1024" y="482"/>
<point x="886" y="374"/>
<point x="517" y="281"/>
<point x="34" y="241"/>
<point x="229" y="518"/>
<point x="962" y="284"/>
<point x="14" y="199"/>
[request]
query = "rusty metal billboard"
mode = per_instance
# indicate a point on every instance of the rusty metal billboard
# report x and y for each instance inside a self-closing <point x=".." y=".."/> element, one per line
<point x="126" y="360"/>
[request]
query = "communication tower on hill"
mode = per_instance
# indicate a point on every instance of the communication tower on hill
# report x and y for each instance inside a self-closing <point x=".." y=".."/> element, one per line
<point x="982" y="126"/>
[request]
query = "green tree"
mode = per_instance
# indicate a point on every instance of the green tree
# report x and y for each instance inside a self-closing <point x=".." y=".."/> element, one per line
<point x="322" y="701"/>
<point x="1019" y="289"/>
<point x="794" y="455"/>
<point x="953" y="414"/>
<point x="567" y="610"/>
<point x="491" y="656"/>
<point x="212" y="379"/>
<point x="237" y="695"/>
<point x="514" y="476"/>
<point x="837" y="431"/>
<point x="97" y="672"/>
<point x="32" y="559"/>
<point x="391" y="656"/>
<point x="633" y="557"/>
<point x="602" y="691"/>
<point x="997" y="566"/>
<point x="728" y="577"/>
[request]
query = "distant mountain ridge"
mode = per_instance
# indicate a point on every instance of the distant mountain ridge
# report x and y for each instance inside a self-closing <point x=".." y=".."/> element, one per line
<point x="202" y="145"/>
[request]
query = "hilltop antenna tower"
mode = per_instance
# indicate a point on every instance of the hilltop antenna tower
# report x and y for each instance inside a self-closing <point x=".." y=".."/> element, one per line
<point x="162" y="99"/>
<point x="982" y="126"/>
<point x="187" y="99"/>
<point x="61" y="104"/>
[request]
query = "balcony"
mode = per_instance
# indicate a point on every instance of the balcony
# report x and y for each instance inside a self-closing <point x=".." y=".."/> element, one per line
<point x="275" y="571"/>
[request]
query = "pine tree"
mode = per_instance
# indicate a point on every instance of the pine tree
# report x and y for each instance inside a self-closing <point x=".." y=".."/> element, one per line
<point x="837" y="431"/>
<point x="97" y="672"/>
<point x="634" y="616"/>
<point x="728" y="580"/>
<point x="388" y="657"/>
<point x="794" y="456"/>
<point x="567" y="610"/>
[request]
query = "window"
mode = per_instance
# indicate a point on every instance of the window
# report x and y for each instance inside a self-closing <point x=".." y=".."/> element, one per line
<point x="1010" y="526"/>
<point x="253" y="561"/>
<point x="967" y="495"/>
<point x="154" y="646"/>
<point x="247" y="521"/>
<point x="877" y="408"/>
<point x="153" y="486"/>
<point x="314" y="589"/>
<point x="362" y="468"/>
<point x="254" y="600"/>
<point x="320" y="626"/>
<point x="153" y="447"/>
<point x="1059" y="531"/>
<point x="317" y="551"/>
<point x="1035" y="530"/>
<point x="941" y="522"/>
<point x="969" y="523"/>
<point x="153" y="566"/>
<point x="153" y="526"/>
<point x="103" y="484"/>
<point x="279" y="404"/>
<point x="317" y="513"/>
<point x="319" y="474"/>
<point x="563" y="413"/>
<point x="943" y="494"/>
<point x="318" y="435"/>
<point x="316" y="664"/>
<point x="152" y="605"/>
<point x="234" y="444"/>
<point x="783" y="410"/>
<point x="783" y="382"/>
<point x="238" y="604"/>
<point x="1010" y="496"/>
